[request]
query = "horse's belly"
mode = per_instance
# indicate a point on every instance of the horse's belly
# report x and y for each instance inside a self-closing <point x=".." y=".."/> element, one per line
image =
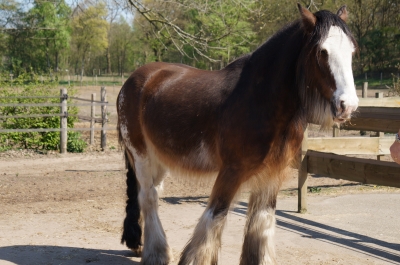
<point x="200" y="159"/>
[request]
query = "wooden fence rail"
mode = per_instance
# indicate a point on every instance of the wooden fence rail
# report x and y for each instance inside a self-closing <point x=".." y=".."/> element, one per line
<point x="326" y="156"/>
<point x="367" y="171"/>
<point x="64" y="116"/>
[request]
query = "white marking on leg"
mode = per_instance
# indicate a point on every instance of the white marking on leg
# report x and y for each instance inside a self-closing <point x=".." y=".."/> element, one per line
<point x="206" y="241"/>
<point x="261" y="232"/>
<point x="340" y="50"/>
<point x="155" y="249"/>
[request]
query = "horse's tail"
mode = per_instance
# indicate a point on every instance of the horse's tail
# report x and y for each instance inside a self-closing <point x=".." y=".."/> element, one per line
<point x="132" y="232"/>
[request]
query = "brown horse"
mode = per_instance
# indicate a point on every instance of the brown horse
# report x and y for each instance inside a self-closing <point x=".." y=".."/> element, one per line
<point x="244" y="123"/>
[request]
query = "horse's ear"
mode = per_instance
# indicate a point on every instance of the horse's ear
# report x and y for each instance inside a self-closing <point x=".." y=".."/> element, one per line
<point x="342" y="13"/>
<point x="307" y="17"/>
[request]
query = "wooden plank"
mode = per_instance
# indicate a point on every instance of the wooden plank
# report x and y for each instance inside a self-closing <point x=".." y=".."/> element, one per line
<point x="366" y="171"/>
<point x="380" y="102"/>
<point x="384" y="145"/>
<point x="345" y="145"/>
<point x="352" y="145"/>
<point x="384" y="119"/>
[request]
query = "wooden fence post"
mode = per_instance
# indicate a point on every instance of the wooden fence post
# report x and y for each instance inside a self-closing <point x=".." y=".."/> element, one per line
<point x="379" y="134"/>
<point x="335" y="131"/>
<point x="365" y="90"/>
<point x="103" y="95"/>
<point x="364" y="95"/>
<point x="63" y="121"/>
<point x="92" y="116"/>
<point x="302" y="189"/>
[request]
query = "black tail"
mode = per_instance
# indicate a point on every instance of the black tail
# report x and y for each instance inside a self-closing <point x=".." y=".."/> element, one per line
<point x="132" y="233"/>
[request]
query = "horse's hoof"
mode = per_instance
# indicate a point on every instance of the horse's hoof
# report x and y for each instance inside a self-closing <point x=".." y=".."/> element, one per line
<point x="137" y="252"/>
<point x="155" y="259"/>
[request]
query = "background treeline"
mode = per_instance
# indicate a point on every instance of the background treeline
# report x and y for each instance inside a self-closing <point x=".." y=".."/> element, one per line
<point x="55" y="37"/>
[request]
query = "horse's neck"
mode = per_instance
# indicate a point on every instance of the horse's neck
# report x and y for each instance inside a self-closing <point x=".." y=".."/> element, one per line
<point x="277" y="58"/>
<point x="272" y="69"/>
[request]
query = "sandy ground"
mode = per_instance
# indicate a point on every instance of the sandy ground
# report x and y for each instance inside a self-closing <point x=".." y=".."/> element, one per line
<point x="68" y="209"/>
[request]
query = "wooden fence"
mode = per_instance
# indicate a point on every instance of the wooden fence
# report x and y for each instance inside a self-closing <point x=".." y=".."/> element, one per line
<point x="327" y="156"/>
<point x="64" y="116"/>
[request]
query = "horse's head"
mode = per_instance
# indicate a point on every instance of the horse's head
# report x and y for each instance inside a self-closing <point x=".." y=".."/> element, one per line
<point x="328" y="54"/>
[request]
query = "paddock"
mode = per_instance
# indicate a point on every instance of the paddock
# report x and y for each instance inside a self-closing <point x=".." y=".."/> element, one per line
<point x="68" y="209"/>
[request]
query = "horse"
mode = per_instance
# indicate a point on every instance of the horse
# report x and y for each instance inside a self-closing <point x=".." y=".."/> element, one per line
<point x="243" y="123"/>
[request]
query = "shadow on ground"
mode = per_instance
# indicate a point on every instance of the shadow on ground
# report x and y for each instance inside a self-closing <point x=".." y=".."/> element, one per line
<point x="188" y="199"/>
<point x="373" y="247"/>
<point x="291" y="221"/>
<point x="32" y="254"/>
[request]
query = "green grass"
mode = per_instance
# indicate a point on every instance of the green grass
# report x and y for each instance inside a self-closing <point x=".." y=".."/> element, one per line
<point x="91" y="83"/>
<point x="374" y="82"/>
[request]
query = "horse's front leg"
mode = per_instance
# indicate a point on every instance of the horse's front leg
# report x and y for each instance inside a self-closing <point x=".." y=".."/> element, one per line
<point x="203" y="247"/>
<point x="258" y="246"/>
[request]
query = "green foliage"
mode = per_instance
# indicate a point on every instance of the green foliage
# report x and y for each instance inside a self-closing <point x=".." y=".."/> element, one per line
<point x="89" y="34"/>
<point x="395" y="88"/>
<point x="314" y="189"/>
<point x="47" y="36"/>
<point x="75" y="144"/>
<point x="36" y="37"/>
<point x="27" y="84"/>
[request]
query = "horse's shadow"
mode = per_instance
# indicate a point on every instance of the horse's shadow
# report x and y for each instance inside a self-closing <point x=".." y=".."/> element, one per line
<point x="188" y="199"/>
<point x="376" y="248"/>
<point x="290" y="221"/>
<point x="35" y="254"/>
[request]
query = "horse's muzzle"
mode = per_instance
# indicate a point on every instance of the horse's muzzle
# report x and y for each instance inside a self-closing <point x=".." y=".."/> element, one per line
<point x="344" y="110"/>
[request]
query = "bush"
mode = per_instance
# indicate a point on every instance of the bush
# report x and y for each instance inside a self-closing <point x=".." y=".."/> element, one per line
<point x="29" y="85"/>
<point x="75" y="144"/>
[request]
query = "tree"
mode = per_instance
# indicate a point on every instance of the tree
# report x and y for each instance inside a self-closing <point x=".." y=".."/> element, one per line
<point x="213" y="21"/>
<point x="89" y="37"/>
<point x="35" y="35"/>
<point x="53" y="20"/>
<point x="121" y="44"/>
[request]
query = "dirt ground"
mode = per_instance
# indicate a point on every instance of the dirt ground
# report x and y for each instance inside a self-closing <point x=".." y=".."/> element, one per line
<point x="68" y="209"/>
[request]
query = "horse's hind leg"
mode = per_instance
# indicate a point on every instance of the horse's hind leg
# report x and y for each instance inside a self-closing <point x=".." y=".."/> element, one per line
<point x="150" y="174"/>
<point x="202" y="249"/>
<point x="258" y="245"/>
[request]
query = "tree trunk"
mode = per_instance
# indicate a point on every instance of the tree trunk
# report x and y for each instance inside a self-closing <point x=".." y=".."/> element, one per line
<point x="56" y="61"/>
<point x="108" y="57"/>
<point x="82" y="68"/>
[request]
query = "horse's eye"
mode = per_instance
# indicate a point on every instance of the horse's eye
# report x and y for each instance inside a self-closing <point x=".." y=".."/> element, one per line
<point x="324" y="52"/>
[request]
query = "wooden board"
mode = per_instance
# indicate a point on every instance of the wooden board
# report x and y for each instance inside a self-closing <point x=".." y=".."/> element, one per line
<point x="380" y="102"/>
<point x="352" y="145"/>
<point x="366" y="171"/>
<point x="378" y="119"/>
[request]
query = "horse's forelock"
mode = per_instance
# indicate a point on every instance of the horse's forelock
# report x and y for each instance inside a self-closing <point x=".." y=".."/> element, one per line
<point x="325" y="20"/>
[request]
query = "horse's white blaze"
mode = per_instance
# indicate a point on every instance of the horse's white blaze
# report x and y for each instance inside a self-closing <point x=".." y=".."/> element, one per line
<point x="340" y="50"/>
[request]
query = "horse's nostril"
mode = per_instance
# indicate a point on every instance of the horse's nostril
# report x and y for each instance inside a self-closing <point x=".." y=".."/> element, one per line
<point x="342" y="105"/>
